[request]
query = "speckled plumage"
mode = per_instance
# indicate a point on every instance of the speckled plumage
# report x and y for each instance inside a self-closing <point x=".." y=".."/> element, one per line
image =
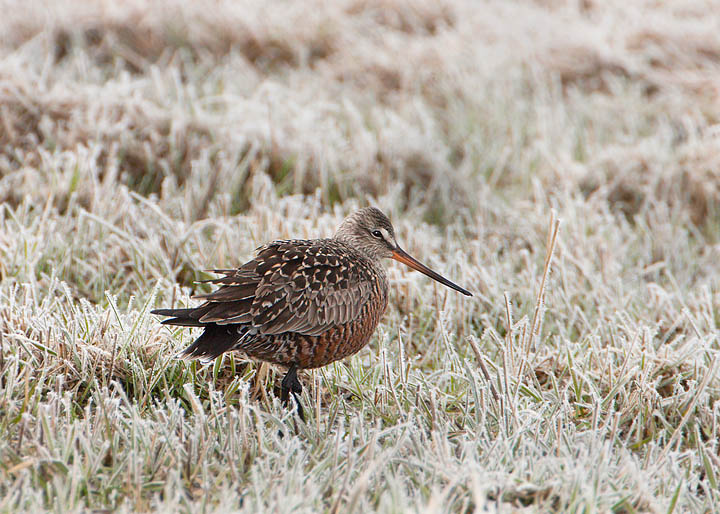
<point x="301" y="303"/>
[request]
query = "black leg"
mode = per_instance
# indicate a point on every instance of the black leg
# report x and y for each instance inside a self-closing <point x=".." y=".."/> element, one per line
<point x="291" y="384"/>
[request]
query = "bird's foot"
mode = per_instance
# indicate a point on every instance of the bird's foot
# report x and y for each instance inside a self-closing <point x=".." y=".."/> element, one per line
<point x="291" y="384"/>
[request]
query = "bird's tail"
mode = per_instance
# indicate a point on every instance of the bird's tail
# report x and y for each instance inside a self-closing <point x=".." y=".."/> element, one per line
<point x="214" y="341"/>
<point x="181" y="317"/>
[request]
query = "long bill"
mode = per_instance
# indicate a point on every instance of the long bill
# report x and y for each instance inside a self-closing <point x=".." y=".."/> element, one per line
<point x="401" y="255"/>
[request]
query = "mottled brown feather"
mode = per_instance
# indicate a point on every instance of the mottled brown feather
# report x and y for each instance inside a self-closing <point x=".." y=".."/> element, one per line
<point x="299" y="286"/>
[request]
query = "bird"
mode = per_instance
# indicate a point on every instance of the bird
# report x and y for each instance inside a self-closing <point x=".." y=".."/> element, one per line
<point x="301" y="303"/>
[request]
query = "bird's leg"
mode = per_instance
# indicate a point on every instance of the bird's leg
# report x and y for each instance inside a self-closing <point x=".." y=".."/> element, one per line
<point x="287" y="383"/>
<point x="291" y="384"/>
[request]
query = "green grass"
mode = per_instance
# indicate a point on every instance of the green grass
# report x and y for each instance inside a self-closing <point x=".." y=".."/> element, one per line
<point x="142" y="145"/>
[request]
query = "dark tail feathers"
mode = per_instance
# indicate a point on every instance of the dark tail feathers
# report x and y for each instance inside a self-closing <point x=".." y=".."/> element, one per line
<point x="216" y="340"/>
<point x="180" y="317"/>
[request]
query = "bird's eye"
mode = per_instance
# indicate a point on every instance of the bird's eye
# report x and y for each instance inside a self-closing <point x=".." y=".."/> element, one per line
<point x="377" y="233"/>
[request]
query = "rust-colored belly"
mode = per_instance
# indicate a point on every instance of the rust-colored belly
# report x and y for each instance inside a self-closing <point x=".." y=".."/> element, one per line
<point x="316" y="351"/>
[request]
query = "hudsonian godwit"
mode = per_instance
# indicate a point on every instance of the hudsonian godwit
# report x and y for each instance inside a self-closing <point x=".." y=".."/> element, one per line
<point x="301" y="303"/>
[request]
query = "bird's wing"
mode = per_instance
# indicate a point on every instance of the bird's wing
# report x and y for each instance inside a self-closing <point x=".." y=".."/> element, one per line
<point x="291" y="286"/>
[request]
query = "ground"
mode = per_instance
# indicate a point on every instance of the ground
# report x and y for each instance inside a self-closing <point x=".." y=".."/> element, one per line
<point x="559" y="158"/>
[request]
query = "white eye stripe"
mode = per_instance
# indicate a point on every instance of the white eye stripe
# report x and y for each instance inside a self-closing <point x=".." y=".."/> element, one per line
<point x="384" y="234"/>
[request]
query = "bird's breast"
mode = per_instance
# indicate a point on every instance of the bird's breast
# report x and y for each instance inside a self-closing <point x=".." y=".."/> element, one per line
<point x="343" y="340"/>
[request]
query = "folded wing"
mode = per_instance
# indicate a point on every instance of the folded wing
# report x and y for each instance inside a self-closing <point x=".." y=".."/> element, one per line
<point x="291" y="286"/>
